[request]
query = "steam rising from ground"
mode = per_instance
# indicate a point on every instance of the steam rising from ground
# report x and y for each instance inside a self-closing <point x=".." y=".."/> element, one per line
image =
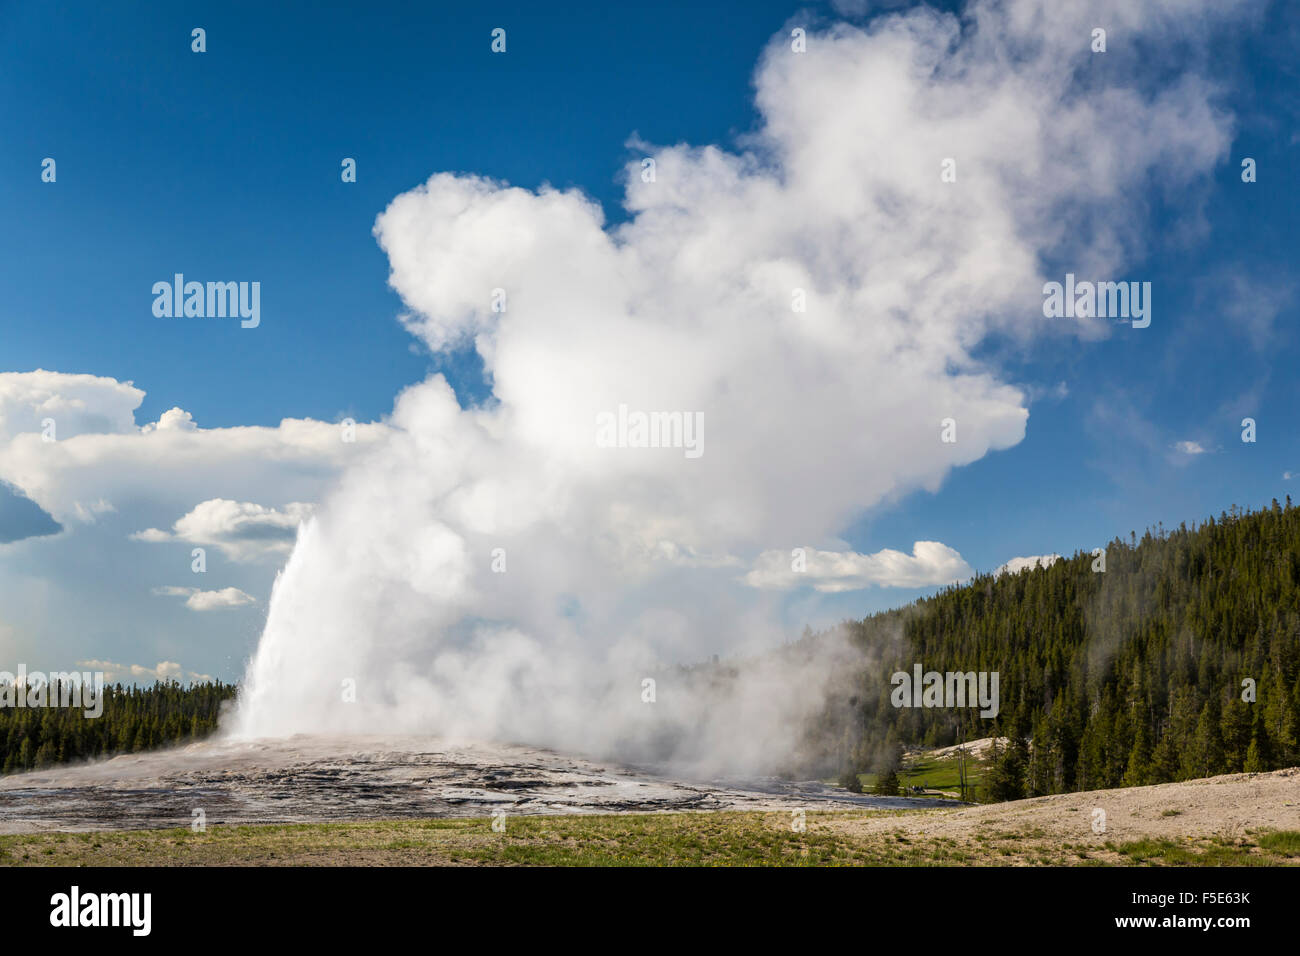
<point x="620" y="561"/>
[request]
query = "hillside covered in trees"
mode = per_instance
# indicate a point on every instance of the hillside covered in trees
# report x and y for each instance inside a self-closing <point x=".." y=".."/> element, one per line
<point x="134" y="719"/>
<point x="1137" y="674"/>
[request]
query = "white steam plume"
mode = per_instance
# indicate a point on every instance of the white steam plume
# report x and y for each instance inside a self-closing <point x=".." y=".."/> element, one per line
<point x="621" y="559"/>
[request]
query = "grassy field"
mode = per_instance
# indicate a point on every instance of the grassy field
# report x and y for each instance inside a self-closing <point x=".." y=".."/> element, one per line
<point x="932" y="773"/>
<point x="687" y="839"/>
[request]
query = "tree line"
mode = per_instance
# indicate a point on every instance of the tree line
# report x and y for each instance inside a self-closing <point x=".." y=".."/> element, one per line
<point x="134" y="719"/>
<point x="1181" y="659"/>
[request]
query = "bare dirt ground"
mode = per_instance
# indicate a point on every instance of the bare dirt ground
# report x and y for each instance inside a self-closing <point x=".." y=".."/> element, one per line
<point x="320" y="780"/>
<point x="1225" y="807"/>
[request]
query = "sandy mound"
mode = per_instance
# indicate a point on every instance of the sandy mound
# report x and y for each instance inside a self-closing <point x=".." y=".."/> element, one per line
<point x="974" y="748"/>
<point x="1225" y="806"/>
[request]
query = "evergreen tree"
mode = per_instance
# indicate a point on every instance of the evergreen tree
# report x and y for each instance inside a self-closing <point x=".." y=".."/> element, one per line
<point x="1128" y="676"/>
<point x="132" y="718"/>
<point x="1140" y="770"/>
<point x="1259" y="754"/>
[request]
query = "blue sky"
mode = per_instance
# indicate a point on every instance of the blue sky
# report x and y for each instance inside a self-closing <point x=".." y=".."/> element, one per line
<point x="226" y="165"/>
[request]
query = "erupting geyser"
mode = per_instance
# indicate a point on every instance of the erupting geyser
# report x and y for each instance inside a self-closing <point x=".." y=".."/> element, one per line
<point x="500" y="572"/>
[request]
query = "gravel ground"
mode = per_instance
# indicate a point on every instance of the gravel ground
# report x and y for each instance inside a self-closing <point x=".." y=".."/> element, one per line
<point x="318" y="780"/>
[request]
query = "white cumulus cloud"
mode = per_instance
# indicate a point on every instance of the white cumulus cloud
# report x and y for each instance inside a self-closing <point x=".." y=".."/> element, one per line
<point x="243" y="531"/>
<point x="200" y="600"/>
<point x="930" y="563"/>
<point x="1016" y="565"/>
<point x="100" y="456"/>
<point x="240" y="490"/>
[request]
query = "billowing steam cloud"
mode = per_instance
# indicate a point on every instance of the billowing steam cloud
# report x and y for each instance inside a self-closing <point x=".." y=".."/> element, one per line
<point x="618" y="560"/>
